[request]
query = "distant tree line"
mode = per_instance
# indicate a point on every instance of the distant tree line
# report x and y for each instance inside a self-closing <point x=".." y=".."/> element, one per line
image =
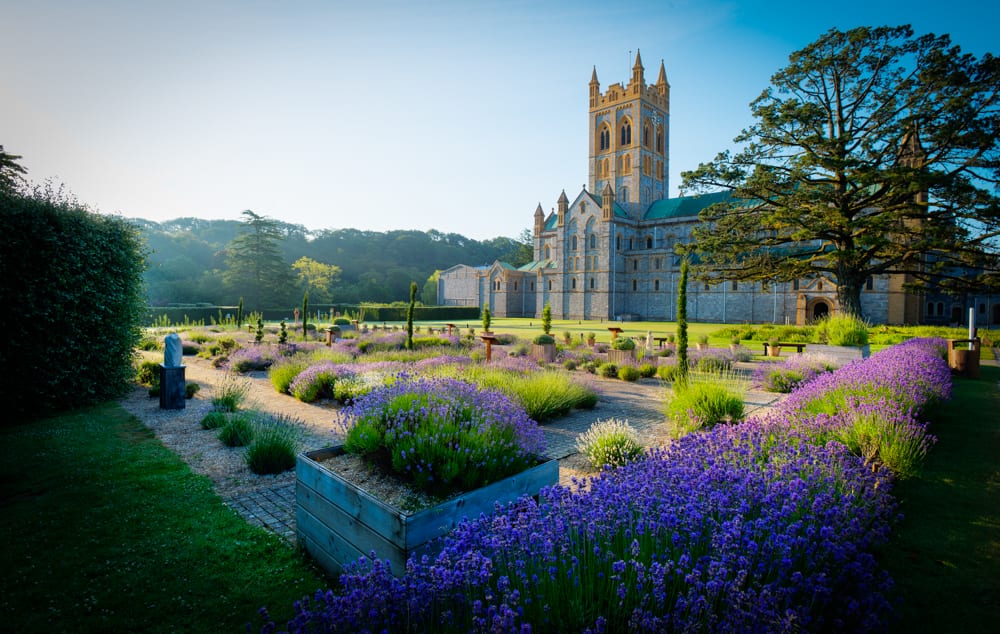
<point x="272" y="263"/>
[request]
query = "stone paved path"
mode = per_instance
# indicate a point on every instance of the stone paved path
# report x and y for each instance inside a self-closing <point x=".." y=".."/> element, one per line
<point x="640" y="403"/>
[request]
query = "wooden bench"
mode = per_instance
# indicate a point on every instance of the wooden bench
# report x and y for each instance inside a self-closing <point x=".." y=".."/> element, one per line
<point x="660" y="341"/>
<point x="799" y="347"/>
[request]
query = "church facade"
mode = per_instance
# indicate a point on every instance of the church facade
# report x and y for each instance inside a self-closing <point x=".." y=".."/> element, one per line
<point x="609" y="252"/>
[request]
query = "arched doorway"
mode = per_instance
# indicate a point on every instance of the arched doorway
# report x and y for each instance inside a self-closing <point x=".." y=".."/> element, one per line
<point x="820" y="310"/>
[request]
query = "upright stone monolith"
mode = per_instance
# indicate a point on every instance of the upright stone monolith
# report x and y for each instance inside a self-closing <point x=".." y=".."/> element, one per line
<point x="172" y="381"/>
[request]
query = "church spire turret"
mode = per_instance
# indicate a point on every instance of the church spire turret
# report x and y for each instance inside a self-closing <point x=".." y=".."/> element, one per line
<point x="638" y="82"/>
<point x="563" y="203"/>
<point x="595" y="88"/>
<point x="539" y="220"/>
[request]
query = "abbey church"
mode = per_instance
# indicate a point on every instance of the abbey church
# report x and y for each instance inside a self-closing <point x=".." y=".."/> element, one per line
<point x="609" y="252"/>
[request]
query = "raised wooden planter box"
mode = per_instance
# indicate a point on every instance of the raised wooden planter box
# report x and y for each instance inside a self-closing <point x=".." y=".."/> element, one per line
<point x="841" y="354"/>
<point x="544" y="352"/>
<point x="621" y="357"/>
<point x="338" y="522"/>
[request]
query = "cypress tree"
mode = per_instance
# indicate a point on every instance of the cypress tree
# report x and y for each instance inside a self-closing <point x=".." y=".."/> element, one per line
<point x="682" y="325"/>
<point x="409" y="315"/>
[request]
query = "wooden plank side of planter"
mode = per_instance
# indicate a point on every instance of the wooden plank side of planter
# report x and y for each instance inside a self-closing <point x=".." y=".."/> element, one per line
<point x="347" y="527"/>
<point x="354" y="502"/>
<point x="437" y="521"/>
<point x="334" y="552"/>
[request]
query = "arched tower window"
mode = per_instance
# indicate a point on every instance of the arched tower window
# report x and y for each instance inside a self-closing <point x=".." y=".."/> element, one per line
<point x="649" y="242"/>
<point x="607" y="169"/>
<point x="626" y="133"/>
<point x="604" y="138"/>
<point x="645" y="135"/>
<point x="659" y="139"/>
<point x="623" y="194"/>
<point x="573" y="243"/>
<point x="628" y="164"/>
<point x="548" y="252"/>
<point x="593" y="241"/>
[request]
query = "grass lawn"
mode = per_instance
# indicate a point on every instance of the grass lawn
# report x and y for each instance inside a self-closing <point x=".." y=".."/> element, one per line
<point x="945" y="554"/>
<point x="104" y="529"/>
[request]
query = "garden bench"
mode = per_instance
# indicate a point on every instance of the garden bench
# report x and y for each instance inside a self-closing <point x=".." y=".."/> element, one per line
<point x="660" y="341"/>
<point x="799" y="347"/>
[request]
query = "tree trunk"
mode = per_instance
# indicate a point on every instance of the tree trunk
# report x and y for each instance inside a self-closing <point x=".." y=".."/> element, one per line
<point x="849" y="296"/>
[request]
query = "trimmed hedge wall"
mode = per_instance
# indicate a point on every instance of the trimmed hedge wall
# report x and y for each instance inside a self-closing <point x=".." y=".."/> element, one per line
<point x="195" y="314"/>
<point x="71" y="303"/>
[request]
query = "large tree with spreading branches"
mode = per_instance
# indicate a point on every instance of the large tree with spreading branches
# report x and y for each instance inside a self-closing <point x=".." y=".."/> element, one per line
<point x="255" y="265"/>
<point x="874" y="151"/>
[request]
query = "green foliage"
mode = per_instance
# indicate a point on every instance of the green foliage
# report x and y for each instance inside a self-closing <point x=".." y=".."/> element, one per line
<point x="647" y="370"/>
<point x="781" y="380"/>
<point x="231" y="392"/>
<point x="190" y="389"/>
<point x="276" y="441"/>
<point x="283" y="333"/>
<point x="543" y="339"/>
<point x="682" y="325"/>
<point x="487" y="318"/>
<point x="871" y="92"/>
<point x="254" y="262"/>
<point x="842" y="330"/>
<point x="237" y="432"/>
<point x="610" y="442"/>
<point x="71" y="287"/>
<point x="547" y="318"/>
<point x="714" y="364"/>
<point x="667" y="372"/>
<point x="608" y="370"/>
<point x="704" y="400"/>
<point x="409" y="316"/>
<point x="623" y="343"/>
<point x="258" y="335"/>
<point x="239" y="314"/>
<point x="628" y="373"/>
<point x="883" y="443"/>
<point x="570" y="364"/>
<point x="148" y="373"/>
<point x="284" y="372"/>
<point x="214" y="419"/>
<point x="11" y="172"/>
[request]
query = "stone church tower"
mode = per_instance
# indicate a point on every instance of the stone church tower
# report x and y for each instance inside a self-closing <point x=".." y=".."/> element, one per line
<point x="629" y="139"/>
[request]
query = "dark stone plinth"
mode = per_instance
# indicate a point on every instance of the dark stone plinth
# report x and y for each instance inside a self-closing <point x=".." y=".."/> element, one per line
<point x="172" y="387"/>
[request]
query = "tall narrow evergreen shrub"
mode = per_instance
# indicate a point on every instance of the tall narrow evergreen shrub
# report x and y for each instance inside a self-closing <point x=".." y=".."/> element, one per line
<point x="547" y="319"/>
<point x="305" y="313"/>
<point x="239" y="314"/>
<point x="682" y="325"/>
<point x="409" y="316"/>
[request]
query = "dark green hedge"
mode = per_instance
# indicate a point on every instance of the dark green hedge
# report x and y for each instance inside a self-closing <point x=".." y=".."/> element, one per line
<point x="71" y="303"/>
<point x="205" y="314"/>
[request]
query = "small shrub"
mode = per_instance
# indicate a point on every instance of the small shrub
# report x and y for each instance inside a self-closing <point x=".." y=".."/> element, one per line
<point x="199" y="337"/>
<point x="276" y="441"/>
<point x="666" y="352"/>
<point x="781" y="380"/>
<point x="623" y="343"/>
<point x="520" y="349"/>
<point x="543" y="340"/>
<point x="647" y="370"/>
<point x="610" y="442"/>
<point x="714" y="363"/>
<point x="214" y="419"/>
<point x="231" y="392"/>
<point x="315" y="382"/>
<point x="667" y="372"/>
<point x="842" y="330"/>
<point x="706" y="399"/>
<point x="237" y="432"/>
<point x="148" y="374"/>
<point x="412" y="427"/>
<point x="570" y="364"/>
<point x="283" y="373"/>
<point x="150" y="344"/>
<point x="226" y="343"/>
<point x="190" y="389"/>
<point x="703" y="340"/>
<point x="608" y="370"/>
<point x="189" y="348"/>
<point x="628" y="373"/>
<point x="341" y="321"/>
<point x="590" y="366"/>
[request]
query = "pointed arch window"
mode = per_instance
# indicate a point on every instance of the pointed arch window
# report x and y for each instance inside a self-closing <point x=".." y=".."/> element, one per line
<point x="623" y="194"/>
<point x="656" y="285"/>
<point x="628" y="164"/>
<point x="659" y="139"/>
<point x="604" y="138"/>
<point x="645" y="135"/>
<point x="593" y="241"/>
<point x="626" y="133"/>
<point x="573" y="243"/>
<point x="548" y="252"/>
<point x="649" y="245"/>
<point x="591" y="282"/>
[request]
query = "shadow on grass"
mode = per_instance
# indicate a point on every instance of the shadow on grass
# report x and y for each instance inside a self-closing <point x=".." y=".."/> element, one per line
<point x="945" y="554"/>
<point x="103" y="529"/>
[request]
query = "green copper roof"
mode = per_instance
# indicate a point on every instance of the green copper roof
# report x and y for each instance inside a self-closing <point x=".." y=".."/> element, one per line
<point x="684" y="206"/>
<point x="535" y="265"/>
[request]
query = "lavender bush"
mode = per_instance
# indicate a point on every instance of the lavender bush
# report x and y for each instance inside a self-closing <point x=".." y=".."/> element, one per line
<point x="443" y="434"/>
<point x="758" y="527"/>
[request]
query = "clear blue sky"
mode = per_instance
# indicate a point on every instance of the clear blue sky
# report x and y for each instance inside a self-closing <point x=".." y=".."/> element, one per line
<point x="459" y="116"/>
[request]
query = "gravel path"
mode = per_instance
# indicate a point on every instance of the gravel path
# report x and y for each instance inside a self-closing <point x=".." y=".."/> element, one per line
<point x="269" y="501"/>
